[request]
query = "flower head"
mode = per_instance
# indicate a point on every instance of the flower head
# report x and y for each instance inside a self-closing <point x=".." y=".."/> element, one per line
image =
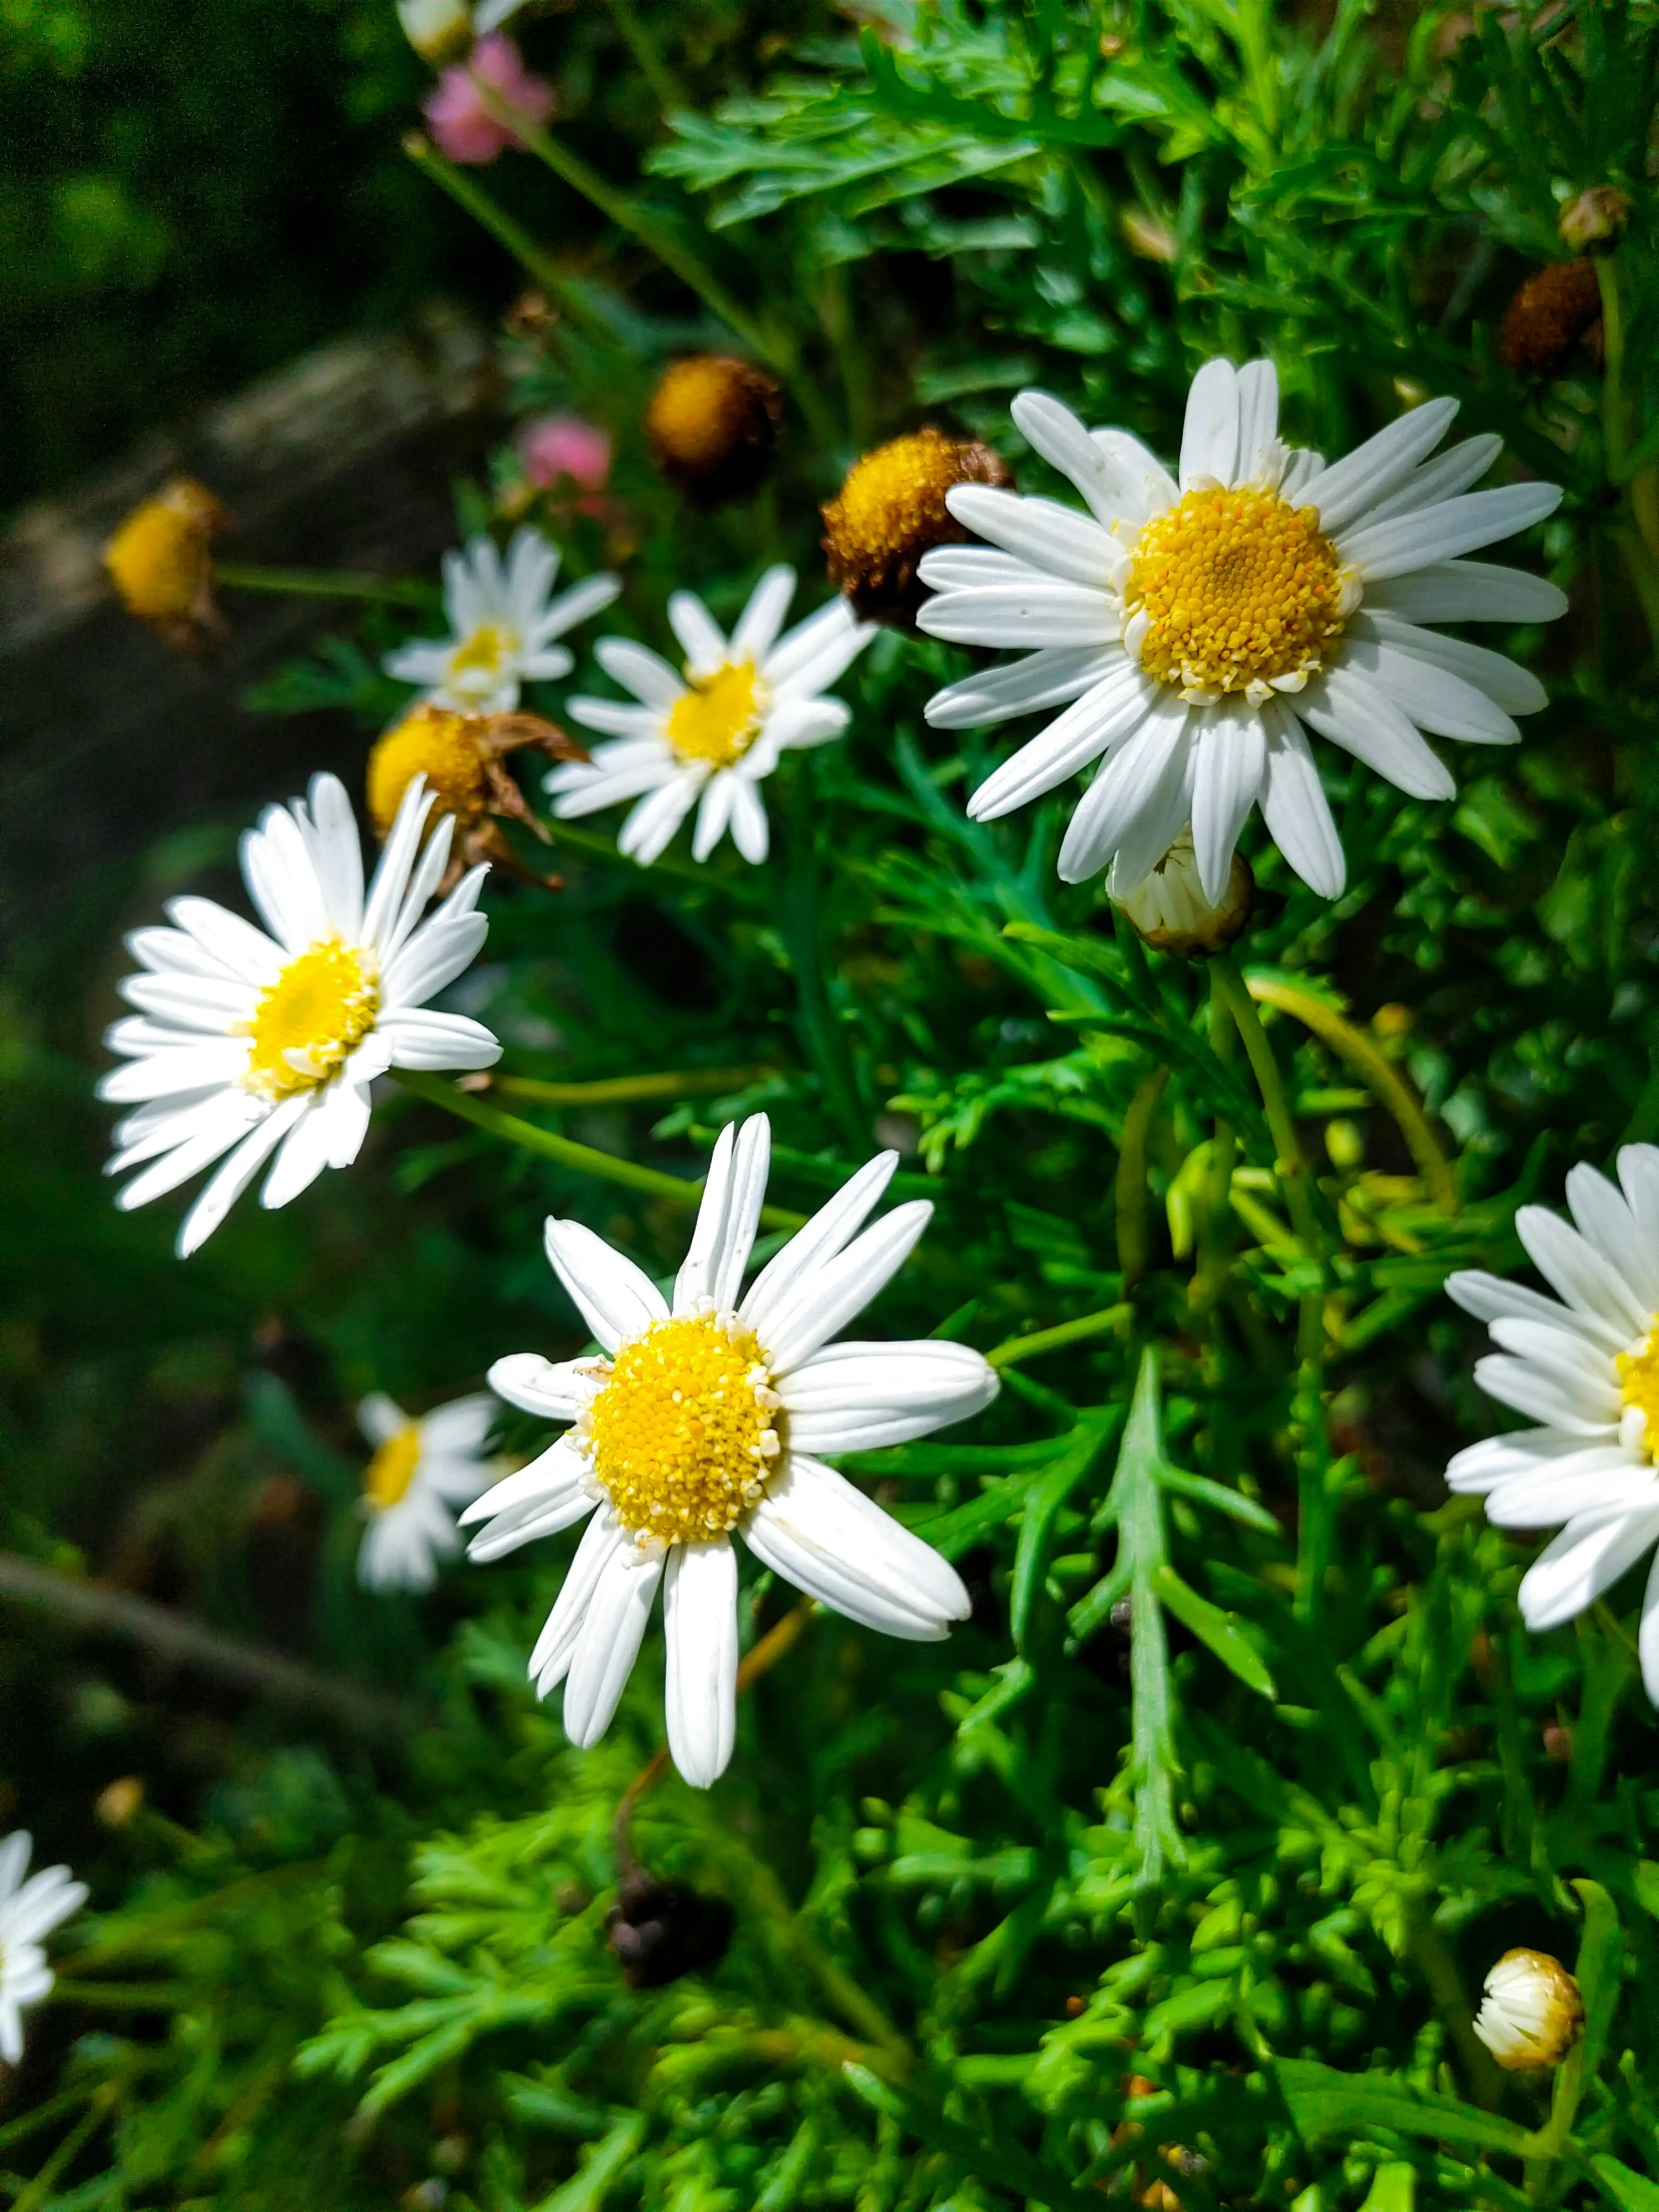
<point x="161" y="562"/>
<point x="1554" y="310"/>
<point x="461" y="758"/>
<point x="247" y="1045"/>
<point x="419" y="1471"/>
<point x="1169" y="910"/>
<point x="562" y="449"/>
<point x="1200" y="627"/>
<point x="503" y="623"/>
<point x="463" y="106"/>
<point x="28" y="1911"/>
<point x="1584" y="1365"/>
<point x="710" y="737"/>
<point x="712" y="423"/>
<point x="703" y="1416"/>
<point x="1531" y="2014"/>
<point x="891" y="511"/>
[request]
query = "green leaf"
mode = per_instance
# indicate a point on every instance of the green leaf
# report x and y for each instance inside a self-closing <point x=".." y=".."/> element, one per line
<point x="1631" y="2192"/>
<point x="1219" y="1632"/>
<point x="1325" y="2102"/>
<point x="1598" y="1971"/>
<point x="1393" y="2188"/>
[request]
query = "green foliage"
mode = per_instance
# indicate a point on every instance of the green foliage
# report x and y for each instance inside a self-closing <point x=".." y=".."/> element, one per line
<point x="1179" y="1863"/>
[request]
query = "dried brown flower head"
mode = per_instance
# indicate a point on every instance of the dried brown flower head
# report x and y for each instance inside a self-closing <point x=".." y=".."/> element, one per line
<point x="461" y="758"/>
<point x="713" y="424"/>
<point x="1554" y="310"/>
<point x="891" y="511"/>
<point x="161" y="562"/>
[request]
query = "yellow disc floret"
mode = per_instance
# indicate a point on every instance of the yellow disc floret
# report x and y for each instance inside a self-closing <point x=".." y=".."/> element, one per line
<point x="891" y="511"/>
<point x="1239" y="591"/>
<point x="392" y="1468"/>
<point x="720" y="718"/>
<point x="681" y="1433"/>
<point x="477" y="662"/>
<point x="159" y="560"/>
<point x="308" y="1020"/>
<point x="1639" y="1386"/>
<point x="442" y="747"/>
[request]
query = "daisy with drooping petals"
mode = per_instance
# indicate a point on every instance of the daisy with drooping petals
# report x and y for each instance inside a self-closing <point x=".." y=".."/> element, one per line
<point x="421" y="1470"/>
<point x="28" y="1910"/>
<point x="503" y="623"/>
<point x="712" y="736"/>
<point x="245" y="1043"/>
<point x="1201" y="628"/>
<point x="704" y="1416"/>
<point x="1585" y="1365"/>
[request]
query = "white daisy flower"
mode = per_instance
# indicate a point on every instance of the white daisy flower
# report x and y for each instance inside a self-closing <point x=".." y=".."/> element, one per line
<point x="503" y="624"/>
<point x="244" y="1041"/>
<point x="713" y="736"/>
<point x="1587" y="1369"/>
<point x="28" y="1910"/>
<point x="705" y="1416"/>
<point x="420" y="1470"/>
<point x="1201" y="628"/>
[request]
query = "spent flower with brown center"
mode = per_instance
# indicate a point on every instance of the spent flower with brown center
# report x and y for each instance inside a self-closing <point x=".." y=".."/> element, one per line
<point x="1531" y="2014"/>
<point x="712" y="423"/>
<point x="461" y="758"/>
<point x="891" y="511"/>
<point x="161" y="562"/>
<point x="1551" y="312"/>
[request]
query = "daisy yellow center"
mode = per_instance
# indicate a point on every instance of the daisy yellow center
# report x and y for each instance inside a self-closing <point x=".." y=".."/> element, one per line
<point x="157" y="559"/>
<point x="1238" y="589"/>
<point x="681" y="1434"/>
<point x="441" y="747"/>
<point x="392" y="1468"/>
<point x="1639" y="1386"/>
<point x="308" y="1021"/>
<point x="485" y="652"/>
<point x="894" y="496"/>
<point x="718" y="719"/>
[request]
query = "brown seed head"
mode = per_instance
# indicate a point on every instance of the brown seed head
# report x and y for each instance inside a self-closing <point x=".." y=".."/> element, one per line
<point x="713" y="424"/>
<point x="891" y="511"/>
<point x="1552" y="311"/>
<point x="161" y="561"/>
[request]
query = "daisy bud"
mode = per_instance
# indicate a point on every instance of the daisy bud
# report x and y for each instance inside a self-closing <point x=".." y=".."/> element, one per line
<point x="117" y="1802"/>
<point x="662" y="1930"/>
<point x="436" y="29"/>
<point x="1532" y="2013"/>
<point x="1593" y="220"/>
<point x="713" y="422"/>
<point x="1554" y="310"/>
<point x="1170" y="911"/>
<point x="891" y="511"/>
<point x="161" y="562"/>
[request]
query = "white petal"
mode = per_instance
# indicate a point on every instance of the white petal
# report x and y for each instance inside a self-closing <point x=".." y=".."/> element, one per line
<point x="208" y="1005"/>
<point x="422" y="1037"/>
<point x="281" y="875"/>
<point x="1515" y="688"/>
<point x="1581" y="1367"/>
<point x="302" y="1158"/>
<point x="1353" y="711"/>
<point x="1126" y="785"/>
<point x="385" y="891"/>
<point x="1210" y="432"/>
<point x="764" y="616"/>
<point x="613" y="1628"/>
<point x="243" y="949"/>
<point x="1295" y="807"/>
<point x="1605" y="1220"/>
<point x="825" y="630"/>
<point x="14" y="1862"/>
<point x="616" y="1299"/>
<point x="432" y="959"/>
<point x="1088" y="727"/>
<point x="727" y="1218"/>
<point x="380" y="1419"/>
<point x="1586" y="1558"/>
<point x="1045" y="678"/>
<point x="801" y="723"/>
<point x="425" y="878"/>
<point x="649" y="830"/>
<point x="590" y="597"/>
<point x="702" y="640"/>
<point x="858" y="1396"/>
<point x="336" y="854"/>
<point x="1647" y="1639"/>
<point x="1545" y="1497"/>
<point x="1544" y="1396"/>
<point x="1433" y="697"/>
<point x="1138" y="484"/>
<point x="819" y="1533"/>
<point x="1361" y="480"/>
<point x="1639" y="1176"/>
<point x="460" y="1428"/>
<point x="1441" y="478"/>
<point x="1037" y="613"/>
<point x="749" y="831"/>
<point x="589" y="793"/>
<point x="966" y="567"/>
<point x="1531" y="1452"/>
<point x="1055" y="432"/>
<point x="175" y="1069"/>
<point x="1584" y="1278"/>
<point x="601" y="1540"/>
<point x="1258" y="417"/>
<point x="816" y="1242"/>
<point x="615" y="717"/>
<point x="1469" y="591"/>
<point x="1058" y="540"/>
<point x="557" y="1392"/>
<point x="646" y="674"/>
<point x="792" y="1330"/>
<point x="700" y="1620"/>
<point x="233" y="1175"/>
<point x="1440" y="533"/>
<point x="211" y="1134"/>
<point x="1489" y="1297"/>
<point x="1230" y="762"/>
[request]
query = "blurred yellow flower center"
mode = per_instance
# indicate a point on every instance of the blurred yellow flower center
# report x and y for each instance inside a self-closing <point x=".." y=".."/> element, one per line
<point x="306" y="1023"/>
<point x="681" y="1433"/>
<point x="895" y="496"/>
<point x="441" y="747"/>
<point x="718" y="719"/>
<point x="693" y="408"/>
<point x="1238" y="589"/>
<point x="392" y="1468"/>
<point x="1639" y="1386"/>
<point x="485" y="652"/>
<point x="159" y="559"/>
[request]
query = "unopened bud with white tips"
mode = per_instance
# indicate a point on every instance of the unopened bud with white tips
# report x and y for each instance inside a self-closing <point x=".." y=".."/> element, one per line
<point x="1169" y="910"/>
<point x="436" y="29"/>
<point x="1532" y="2013"/>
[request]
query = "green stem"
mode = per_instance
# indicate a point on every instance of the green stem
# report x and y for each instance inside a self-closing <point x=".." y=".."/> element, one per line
<point x="652" y="67"/>
<point x="507" y="231"/>
<point x="584" y="1158"/>
<point x="1428" y="1947"/>
<point x="1134" y="1241"/>
<point x="1018" y="1348"/>
<point x="1289" y="1165"/>
<point x="321" y="583"/>
<point x="617" y="1091"/>
<point x="40" y="2189"/>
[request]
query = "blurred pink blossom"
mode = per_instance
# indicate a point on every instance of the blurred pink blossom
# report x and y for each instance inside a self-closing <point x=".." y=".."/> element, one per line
<point x="562" y="447"/>
<point x="463" y="126"/>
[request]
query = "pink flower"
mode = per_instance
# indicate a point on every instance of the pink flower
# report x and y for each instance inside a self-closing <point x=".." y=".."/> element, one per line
<point x="463" y="126"/>
<point x="561" y="448"/>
